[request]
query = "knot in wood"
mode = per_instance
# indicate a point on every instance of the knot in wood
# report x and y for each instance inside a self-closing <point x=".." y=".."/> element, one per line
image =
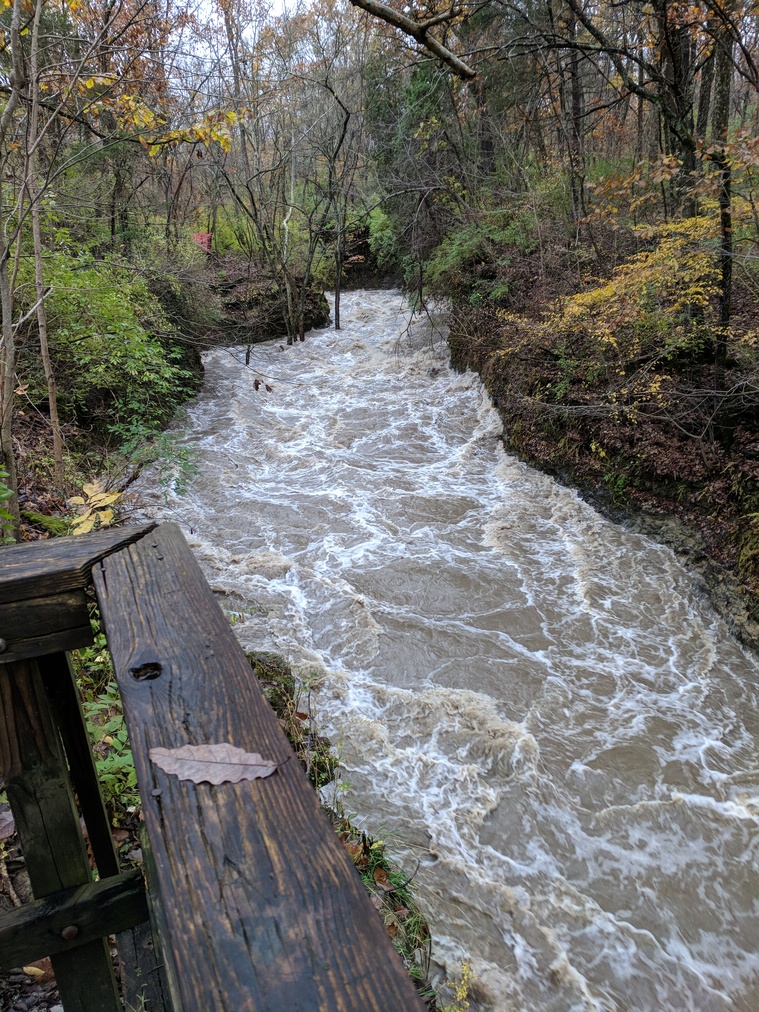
<point x="147" y="671"/>
<point x="70" y="932"/>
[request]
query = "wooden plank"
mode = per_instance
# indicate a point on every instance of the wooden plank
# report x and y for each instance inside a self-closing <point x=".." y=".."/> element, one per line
<point x="63" y="695"/>
<point x="144" y="977"/>
<point x="44" y="625"/>
<point x="34" y="568"/>
<point x="39" y="794"/>
<point x="262" y="908"/>
<point x="71" y="639"/>
<point x="65" y="920"/>
<point x="142" y="981"/>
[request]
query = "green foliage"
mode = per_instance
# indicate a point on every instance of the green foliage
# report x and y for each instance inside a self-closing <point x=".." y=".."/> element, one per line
<point x="111" y="371"/>
<point x="104" y="718"/>
<point x="113" y="755"/>
<point x="472" y="260"/>
<point x="6" y="519"/>
<point x="655" y="307"/>
<point x="234" y="233"/>
<point x="628" y="334"/>
<point x="383" y="240"/>
<point x="617" y="484"/>
<point x="179" y="278"/>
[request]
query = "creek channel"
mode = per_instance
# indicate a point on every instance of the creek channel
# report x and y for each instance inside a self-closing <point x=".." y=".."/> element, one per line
<point x="535" y="706"/>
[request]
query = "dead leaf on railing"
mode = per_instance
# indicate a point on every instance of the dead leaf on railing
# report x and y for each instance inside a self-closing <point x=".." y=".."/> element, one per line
<point x="213" y="764"/>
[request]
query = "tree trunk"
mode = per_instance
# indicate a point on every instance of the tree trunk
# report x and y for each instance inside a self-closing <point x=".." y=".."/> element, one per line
<point x="7" y="337"/>
<point x="705" y="95"/>
<point x="720" y="124"/>
<point x="676" y="90"/>
<point x="39" y="283"/>
<point x="338" y="271"/>
<point x="7" y="388"/>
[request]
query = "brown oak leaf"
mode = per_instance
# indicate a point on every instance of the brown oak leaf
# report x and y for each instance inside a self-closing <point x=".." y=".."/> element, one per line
<point x="213" y="764"/>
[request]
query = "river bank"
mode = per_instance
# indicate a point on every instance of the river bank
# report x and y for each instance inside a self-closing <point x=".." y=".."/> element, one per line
<point x="697" y="494"/>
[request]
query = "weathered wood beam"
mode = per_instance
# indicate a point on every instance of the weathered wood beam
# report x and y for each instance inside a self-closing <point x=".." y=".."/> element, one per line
<point x="65" y="920"/>
<point x="42" y="625"/>
<point x="65" y="705"/>
<point x="40" y="568"/>
<point x="143" y="983"/>
<point x="47" y="822"/>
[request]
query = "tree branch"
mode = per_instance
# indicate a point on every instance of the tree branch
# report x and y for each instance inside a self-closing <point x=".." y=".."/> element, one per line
<point x="419" y="32"/>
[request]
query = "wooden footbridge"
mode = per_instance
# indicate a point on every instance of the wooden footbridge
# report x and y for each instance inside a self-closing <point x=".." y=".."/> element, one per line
<point x="250" y="901"/>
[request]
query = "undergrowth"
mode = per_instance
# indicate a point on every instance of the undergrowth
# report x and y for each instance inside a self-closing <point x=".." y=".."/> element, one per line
<point x="106" y="727"/>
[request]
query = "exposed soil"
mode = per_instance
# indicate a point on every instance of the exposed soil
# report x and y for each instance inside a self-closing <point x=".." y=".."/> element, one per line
<point x="253" y="305"/>
<point x="699" y="496"/>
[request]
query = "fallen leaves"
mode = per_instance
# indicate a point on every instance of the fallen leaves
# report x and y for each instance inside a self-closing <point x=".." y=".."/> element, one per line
<point x="213" y="764"/>
<point x="359" y="849"/>
<point x="382" y="879"/>
<point x="41" y="971"/>
<point x="7" y="824"/>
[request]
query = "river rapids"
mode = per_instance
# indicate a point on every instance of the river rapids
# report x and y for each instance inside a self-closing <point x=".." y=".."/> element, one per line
<point x="533" y="705"/>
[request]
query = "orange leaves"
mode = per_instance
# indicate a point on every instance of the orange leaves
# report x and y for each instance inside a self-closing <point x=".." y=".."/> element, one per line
<point x="618" y="195"/>
<point x="666" y="168"/>
<point x="382" y="880"/>
<point x="358" y="848"/>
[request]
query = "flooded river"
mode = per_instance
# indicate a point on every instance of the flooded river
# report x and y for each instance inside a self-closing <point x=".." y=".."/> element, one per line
<point x="536" y="706"/>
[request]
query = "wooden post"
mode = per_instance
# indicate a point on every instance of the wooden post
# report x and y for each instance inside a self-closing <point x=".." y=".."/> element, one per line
<point x="48" y="826"/>
<point x="63" y="695"/>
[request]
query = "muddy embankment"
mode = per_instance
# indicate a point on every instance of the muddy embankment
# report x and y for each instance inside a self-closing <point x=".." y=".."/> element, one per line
<point x="699" y="496"/>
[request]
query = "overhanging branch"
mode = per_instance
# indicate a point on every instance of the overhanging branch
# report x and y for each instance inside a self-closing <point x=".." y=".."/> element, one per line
<point x="419" y="31"/>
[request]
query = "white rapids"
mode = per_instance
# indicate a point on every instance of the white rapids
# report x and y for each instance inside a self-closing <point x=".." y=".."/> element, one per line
<point x="535" y="705"/>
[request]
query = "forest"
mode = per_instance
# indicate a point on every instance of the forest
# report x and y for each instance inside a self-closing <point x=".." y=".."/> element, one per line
<point x="579" y="180"/>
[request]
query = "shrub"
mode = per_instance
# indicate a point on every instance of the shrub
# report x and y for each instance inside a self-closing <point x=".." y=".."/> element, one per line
<point x="472" y="263"/>
<point x="114" y="374"/>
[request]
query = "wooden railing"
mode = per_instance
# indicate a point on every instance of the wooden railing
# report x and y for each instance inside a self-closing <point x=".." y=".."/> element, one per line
<point x="254" y="902"/>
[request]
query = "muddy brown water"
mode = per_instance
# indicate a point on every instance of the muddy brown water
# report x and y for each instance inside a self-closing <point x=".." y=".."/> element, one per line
<point x="533" y="705"/>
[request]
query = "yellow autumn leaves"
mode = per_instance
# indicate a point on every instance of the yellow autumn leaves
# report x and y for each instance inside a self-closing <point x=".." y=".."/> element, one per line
<point x="214" y="128"/>
<point x="96" y="508"/>
<point x="134" y="115"/>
